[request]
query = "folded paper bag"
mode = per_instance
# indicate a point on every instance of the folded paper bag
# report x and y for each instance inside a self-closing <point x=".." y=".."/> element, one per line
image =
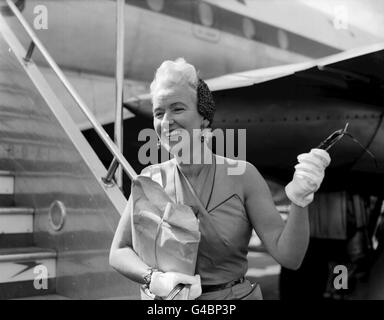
<point x="166" y="235"/>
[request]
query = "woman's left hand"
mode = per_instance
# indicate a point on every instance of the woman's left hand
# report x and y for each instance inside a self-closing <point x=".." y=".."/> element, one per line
<point x="308" y="176"/>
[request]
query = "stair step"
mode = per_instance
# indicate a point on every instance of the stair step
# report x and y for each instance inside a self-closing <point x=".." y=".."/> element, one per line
<point x="6" y="173"/>
<point x="27" y="253"/>
<point x="16" y="220"/>
<point x="16" y="210"/>
<point x="6" y="183"/>
<point x="15" y="240"/>
<point x="26" y="272"/>
<point x="7" y="188"/>
<point x="22" y="289"/>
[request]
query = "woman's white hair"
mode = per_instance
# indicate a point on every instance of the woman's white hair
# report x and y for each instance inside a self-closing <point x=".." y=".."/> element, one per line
<point x="175" y="72"/>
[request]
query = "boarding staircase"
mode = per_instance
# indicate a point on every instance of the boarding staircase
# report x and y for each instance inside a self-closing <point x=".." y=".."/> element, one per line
<point x="59" y="207"/>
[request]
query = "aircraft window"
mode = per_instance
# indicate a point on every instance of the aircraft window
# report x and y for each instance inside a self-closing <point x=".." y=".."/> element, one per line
<point x="282" y="39"/>
<point x="156" y="5"/>
<point x="248" y="28"/>
<point x="205" y="14"/>
<point x="20" y="4"/>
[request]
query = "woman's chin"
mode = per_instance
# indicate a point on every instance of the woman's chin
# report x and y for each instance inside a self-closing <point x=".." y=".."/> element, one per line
<point x="178" y="150"/>
<point x="172" y="148"/>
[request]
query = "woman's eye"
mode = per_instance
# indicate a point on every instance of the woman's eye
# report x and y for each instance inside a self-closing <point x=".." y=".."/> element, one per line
<point x="158" y="114"/>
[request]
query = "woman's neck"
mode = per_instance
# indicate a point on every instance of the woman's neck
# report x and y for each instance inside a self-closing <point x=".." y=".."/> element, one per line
<point x="193" y="168"/>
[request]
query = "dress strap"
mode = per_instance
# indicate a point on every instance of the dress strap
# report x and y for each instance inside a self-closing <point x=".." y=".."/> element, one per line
<point x="193" y="193"/>
<point x="197" y="200"/>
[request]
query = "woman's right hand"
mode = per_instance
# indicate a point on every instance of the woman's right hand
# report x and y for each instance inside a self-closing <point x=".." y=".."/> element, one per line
<point x="162" y="283"/>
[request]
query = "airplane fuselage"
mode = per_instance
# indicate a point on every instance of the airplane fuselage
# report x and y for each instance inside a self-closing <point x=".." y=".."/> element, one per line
<point x="81" y="36"/>
<point x="219" y="37"/>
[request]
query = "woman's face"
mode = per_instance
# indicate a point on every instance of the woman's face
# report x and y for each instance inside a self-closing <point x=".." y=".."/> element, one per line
<point x="175" y="115"/>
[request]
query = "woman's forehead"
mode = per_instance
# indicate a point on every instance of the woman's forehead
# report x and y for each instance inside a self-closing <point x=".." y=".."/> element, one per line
<point x="171" y="93"/>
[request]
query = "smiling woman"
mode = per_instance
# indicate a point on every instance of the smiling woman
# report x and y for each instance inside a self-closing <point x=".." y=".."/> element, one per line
<point x="227" y="206"/>
<point x="176" y="109"/>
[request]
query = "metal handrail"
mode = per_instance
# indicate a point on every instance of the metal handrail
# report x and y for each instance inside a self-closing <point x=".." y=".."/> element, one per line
<point x="96" y="125"/>
<point x="119" y="124"/>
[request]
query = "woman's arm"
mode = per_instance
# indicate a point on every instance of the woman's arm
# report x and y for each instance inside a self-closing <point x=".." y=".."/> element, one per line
<point x="122" y="257"/>
<point x="124" y="260"/>
<point x="286" y="242"/>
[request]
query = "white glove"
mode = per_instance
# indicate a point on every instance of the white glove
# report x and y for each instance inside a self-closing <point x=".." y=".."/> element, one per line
<point x="162" y="283"/>
<point x="308" y="176"/>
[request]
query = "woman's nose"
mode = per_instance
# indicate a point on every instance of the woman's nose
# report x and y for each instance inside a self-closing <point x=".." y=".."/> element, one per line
<point x="167" y="119"/>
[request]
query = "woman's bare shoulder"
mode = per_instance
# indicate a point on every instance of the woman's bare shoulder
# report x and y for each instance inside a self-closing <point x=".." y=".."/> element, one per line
<point x="238" y="169"/>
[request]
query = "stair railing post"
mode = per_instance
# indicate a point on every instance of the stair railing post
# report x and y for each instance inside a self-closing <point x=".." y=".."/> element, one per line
<point x="119" y="124"/>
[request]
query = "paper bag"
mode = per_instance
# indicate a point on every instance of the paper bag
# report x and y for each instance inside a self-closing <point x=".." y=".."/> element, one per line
<point x="165" y="234"/>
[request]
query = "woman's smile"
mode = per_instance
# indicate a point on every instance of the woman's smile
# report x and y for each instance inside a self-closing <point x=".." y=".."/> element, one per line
<point x="173" y="133"/>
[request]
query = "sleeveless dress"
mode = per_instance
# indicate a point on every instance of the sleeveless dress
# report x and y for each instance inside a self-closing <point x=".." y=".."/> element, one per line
<point x="223" y="223"/>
